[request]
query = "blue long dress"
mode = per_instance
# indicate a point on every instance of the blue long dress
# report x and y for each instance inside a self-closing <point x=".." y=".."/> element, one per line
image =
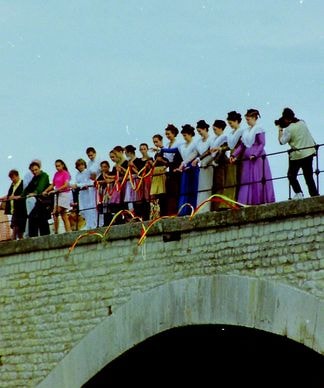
<point x="189" y="181"/>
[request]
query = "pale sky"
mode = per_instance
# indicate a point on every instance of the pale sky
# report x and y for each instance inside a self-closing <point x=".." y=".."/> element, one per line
<point x="103" y="73"/>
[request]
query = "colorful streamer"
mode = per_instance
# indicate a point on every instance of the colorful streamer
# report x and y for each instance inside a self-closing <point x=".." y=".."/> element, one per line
<point x="144" y="230"/>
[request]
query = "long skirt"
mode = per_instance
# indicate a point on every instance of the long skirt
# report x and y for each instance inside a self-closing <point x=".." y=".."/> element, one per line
<point x="158" y="181"/>
<point x="256" y="186"/>
<point x="172" y="192"/>
<point x="231" y="181"/>
<point x="205" y="187"/>
<point x="188" y="190"/>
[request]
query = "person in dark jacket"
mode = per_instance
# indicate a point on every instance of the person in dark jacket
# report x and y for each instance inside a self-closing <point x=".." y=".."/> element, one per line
<point x="16" y="207"/>
<point x="39" y="212"/>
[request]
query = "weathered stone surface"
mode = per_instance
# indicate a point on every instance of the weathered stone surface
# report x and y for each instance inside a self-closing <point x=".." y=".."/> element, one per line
<point x="50" y="300"/>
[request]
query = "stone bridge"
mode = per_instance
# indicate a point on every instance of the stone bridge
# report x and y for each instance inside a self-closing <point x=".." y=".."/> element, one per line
<point x="66" y="315"/>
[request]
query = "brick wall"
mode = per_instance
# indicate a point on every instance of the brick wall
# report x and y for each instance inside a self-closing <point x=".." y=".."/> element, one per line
<point x="50" y="300"/>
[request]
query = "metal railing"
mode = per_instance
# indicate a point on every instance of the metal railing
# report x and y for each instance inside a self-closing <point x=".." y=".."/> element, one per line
<point x="317" y="171"/>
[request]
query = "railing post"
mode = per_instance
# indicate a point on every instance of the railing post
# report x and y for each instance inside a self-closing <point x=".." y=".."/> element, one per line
<point x="263" y="180"/>
<point x="317" y="171"/>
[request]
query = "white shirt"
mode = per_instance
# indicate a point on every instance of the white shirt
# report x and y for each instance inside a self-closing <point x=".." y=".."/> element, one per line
<point x="233" y="137"/>
<point x="297" y="135"/>
<point x="201" y="146"/>
<point x="93" y="166"/>
<point x="249" y="133"/>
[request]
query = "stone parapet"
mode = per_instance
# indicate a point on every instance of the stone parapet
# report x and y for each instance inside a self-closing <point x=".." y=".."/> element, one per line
<point x="51" y="299"/>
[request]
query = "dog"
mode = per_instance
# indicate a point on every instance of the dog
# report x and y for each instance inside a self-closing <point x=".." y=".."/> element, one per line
<point x="77" y="221"/>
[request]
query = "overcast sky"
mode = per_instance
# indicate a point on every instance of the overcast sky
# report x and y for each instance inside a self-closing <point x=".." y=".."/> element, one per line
<point x="103" y="73"/>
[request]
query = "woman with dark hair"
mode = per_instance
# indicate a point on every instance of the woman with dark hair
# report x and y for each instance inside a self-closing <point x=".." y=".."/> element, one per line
<point x="296" y="133"/>
<point x="144" y="165"/>
<point x="171" y="152"/>
<point x="60" y="186"/>
<point x="119" y="169"/>
<point x="189" y="174"/>
<point x="132" y="181"/>
<point x="219" y="160"/>
<point x="83" y="186"/>
<point x="16" y="207"/>
<point x="256" y="185"/>
<point x="205" y="181"/>
<point x="133" y="190"/>
<point x="158" y="184"/>
<point x="103" y="183"/>
<point x="114" y="186"/>
<point x="233" y="140"/>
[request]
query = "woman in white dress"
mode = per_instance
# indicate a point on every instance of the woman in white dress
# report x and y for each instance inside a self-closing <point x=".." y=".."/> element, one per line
<point x="87" y="194"/>
<point x="206" y="172"/>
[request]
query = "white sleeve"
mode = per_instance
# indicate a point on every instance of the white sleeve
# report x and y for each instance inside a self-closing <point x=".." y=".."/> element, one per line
<point x="285" y="137"/>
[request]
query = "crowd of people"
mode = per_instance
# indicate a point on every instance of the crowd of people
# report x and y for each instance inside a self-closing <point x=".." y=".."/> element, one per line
<point x="165" y="179"/>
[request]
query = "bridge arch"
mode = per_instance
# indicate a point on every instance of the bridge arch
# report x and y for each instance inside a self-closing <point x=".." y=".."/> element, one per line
<point x="219" y="299"/>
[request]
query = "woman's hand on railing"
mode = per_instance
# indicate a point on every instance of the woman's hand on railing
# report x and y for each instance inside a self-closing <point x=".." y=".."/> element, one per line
<point x="13" y="197"/>
<point x="232" y="159"/>
<point x="45" y="193"/>
<point x="195" y="162"/>
<point x="215" y="149"/>
<point x="180" y="168"/>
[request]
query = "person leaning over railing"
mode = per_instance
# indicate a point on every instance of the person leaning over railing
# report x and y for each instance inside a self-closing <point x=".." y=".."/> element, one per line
<point x="38" y="207"/>
<point x="189" y="174"/>
<point x="205" y="180"/>
<point x="117" y="200"/>
<point x="256" y="185"/>
<point x="60" y="186"/>
<point x="233" y="171"/>
<point x="16" y="207"/>
<point x="296" y="133"/>
<point x="173" y="175"/>
<point x="158" y="184"/>
<point x="217" y="156"/>
<point x="84" y="186"/>
<point x="104" y="190"/>
<point x="144" y="164"/>
<point x="131" y="196"/>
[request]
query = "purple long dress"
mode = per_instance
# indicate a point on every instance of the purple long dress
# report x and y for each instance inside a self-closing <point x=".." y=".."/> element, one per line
<point x="257" y="171"/>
